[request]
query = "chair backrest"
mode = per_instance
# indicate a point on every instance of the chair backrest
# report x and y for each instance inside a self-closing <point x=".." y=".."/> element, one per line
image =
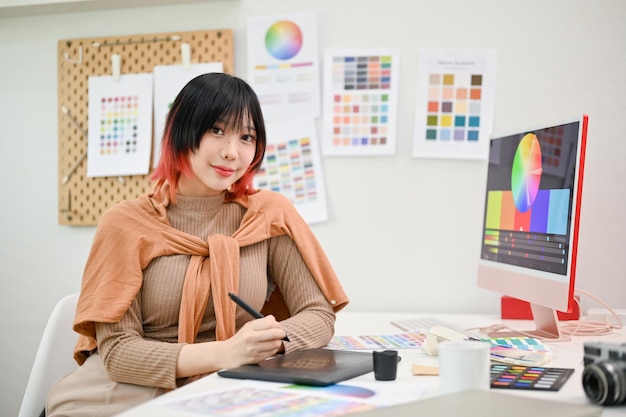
<point x="54" y="356"/>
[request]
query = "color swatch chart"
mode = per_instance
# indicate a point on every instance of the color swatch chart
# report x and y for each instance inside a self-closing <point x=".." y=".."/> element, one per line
<point x="410" y="340"/>
<point x="454" y="107"/>
<point x="529" y="377"/>
<point x="288" y="168"/>
<point x="524" y="343"/>
<point x="455" y="102"/>
<point x="120" y="125"/>
<point x="360" y="104"/>
<point x="119" y="121"/>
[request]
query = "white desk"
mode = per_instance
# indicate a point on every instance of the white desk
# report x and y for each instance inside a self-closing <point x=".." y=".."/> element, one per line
<point x="566" y="355"/>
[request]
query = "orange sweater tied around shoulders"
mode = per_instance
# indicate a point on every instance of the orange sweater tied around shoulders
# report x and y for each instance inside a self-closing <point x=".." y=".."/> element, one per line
<point x="132" y="233"/>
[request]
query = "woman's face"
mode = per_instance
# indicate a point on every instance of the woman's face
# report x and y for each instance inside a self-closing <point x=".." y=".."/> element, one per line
<point x="223" y="156"/>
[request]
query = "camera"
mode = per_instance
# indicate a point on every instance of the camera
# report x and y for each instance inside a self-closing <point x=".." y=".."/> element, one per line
<point x="604" y="375"/>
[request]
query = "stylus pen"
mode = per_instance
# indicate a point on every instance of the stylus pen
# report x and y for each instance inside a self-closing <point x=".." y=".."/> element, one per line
<point x="249" y="309"/>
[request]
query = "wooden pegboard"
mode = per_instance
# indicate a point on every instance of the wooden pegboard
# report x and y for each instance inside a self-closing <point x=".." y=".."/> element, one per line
<point x="82" y="199"/>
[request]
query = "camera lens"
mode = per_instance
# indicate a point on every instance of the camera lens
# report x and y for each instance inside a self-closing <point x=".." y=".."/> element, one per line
<point x="604" y="383"/>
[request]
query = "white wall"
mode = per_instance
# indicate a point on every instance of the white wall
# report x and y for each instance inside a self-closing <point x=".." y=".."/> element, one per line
<point x="403" y="233"/>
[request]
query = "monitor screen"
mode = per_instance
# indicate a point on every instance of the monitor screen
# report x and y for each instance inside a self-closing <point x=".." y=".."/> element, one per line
<point x="531" y="216"/>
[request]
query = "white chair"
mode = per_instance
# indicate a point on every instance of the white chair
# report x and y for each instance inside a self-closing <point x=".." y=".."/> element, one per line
<point x="54" y="356"/>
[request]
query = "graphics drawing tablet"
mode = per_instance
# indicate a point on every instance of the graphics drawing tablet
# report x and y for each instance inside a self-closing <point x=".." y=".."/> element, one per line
<point x="319" y="367"/>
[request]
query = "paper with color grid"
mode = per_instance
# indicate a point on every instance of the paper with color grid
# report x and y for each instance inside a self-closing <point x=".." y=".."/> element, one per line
<point x="120" y="125"/>
<point x="455" y="103"/>
<point x="360" y="101"/>
<point x="292" y="166"/>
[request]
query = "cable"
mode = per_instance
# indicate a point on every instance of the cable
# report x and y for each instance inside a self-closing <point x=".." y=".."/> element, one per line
<point x="573" y="327"/>
<point x="589" y="327"/>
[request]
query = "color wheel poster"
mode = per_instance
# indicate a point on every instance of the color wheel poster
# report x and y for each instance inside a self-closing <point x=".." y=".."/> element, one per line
<point x="120" y="125"/>
<point x="168" y="81"/>
<point x="360" y="96"/>
<point x="455" y="102"/>
<point x="283" y="65"/>
<point x="292" y="166"/>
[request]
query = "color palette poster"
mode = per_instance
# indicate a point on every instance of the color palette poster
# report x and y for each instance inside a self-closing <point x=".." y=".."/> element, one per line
<point x="455" y="103"/>
<point x="120" y="125"/>
<point x="283" y="65"/>
<point x="292" y="166"/>
<point x="168" y="81"/>
<point x="360" y="96"/>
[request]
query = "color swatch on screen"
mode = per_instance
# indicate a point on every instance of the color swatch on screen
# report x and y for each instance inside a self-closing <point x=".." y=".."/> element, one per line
<point x="526" y="172"/>
<point x="454" y="107"/>
<point x="548" y="214"/>
<point x="288" y="168"/>
<point x="119" y="122"/>
<point x="554" y="150"/>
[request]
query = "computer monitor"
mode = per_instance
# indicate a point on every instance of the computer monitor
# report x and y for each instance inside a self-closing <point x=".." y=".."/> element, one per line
<point x="531" y="217"/>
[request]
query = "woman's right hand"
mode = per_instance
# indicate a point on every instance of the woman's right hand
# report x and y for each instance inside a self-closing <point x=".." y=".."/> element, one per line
<point x="257" y="340"/>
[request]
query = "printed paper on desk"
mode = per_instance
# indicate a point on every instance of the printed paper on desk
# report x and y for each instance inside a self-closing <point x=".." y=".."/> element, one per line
<point x="255" y="398"/>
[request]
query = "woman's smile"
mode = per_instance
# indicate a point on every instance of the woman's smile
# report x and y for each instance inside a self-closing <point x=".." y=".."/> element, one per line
<point x="223" y="171"/>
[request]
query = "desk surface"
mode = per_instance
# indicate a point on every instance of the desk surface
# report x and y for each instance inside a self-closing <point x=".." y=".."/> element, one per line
<point x="565" y="355"/>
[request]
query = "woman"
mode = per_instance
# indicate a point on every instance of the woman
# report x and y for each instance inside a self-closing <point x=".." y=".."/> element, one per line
<point x="154" y="311"/>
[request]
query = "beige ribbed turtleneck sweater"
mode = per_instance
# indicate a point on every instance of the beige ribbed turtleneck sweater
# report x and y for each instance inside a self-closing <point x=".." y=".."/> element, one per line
<point x="132" y="348"/>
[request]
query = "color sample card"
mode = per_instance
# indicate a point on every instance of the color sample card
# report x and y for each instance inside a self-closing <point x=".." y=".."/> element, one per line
<point x="529" y="377"/>
<point x="292" y="166"/>
<point x="455" y="102"/>
<point x="410" y="340"/>
<point x="120" y="125"/>
<point x="360" y="96"/>
<point x="168" y="81"/>
<point x="525" y="343"/>
<point x="283" y="65"/>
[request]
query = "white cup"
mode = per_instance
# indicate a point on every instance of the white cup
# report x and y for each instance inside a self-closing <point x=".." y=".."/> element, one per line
<point x="464" y="365"/>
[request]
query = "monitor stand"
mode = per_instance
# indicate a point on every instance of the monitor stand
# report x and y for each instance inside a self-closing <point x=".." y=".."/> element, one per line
<point x="546" y="323"/>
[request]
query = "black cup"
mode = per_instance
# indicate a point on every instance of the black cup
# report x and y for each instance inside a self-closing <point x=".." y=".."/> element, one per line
<point x="386" y="365"/>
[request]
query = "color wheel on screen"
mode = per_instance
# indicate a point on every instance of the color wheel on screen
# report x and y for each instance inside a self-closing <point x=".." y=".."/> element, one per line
<point x="526" y="172"/>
